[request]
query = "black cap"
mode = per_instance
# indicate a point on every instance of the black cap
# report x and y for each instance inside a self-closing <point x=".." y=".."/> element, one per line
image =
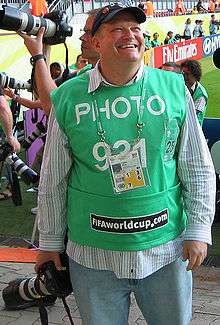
<point x="109" y="12"/>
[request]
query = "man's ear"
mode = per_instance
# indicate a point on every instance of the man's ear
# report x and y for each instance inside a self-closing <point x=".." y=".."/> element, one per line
<point x="96" y="43"/>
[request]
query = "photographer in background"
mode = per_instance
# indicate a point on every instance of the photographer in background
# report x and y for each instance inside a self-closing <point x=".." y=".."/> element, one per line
<point x="192" y="74"/>
<point x="6" y="121"/>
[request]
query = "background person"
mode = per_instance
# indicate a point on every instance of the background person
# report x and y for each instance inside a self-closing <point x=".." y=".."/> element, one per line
<point x="56" y="70"/>
<point x="155" y="42"/>
<point x="80" y="63"/>
<point x="43" y="79"/>
<point x="6" y="121"/>
<point x="106" y="266"/>
<point x="180" y="8"/>
<point x="192" y="74"/>
<point x="198" y="30"/>
<point x="187" y="33"/>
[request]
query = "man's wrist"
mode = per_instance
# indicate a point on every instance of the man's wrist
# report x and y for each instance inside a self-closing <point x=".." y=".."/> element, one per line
<point x="37" y="57"/>
<point x="15" y="97"/>
<point x="9" y="137"/>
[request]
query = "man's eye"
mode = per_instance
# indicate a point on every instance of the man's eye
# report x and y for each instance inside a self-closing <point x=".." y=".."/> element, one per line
<point x="136" y="29"/>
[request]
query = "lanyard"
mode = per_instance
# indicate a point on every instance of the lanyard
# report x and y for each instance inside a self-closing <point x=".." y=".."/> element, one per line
<point x="139" y="125"/>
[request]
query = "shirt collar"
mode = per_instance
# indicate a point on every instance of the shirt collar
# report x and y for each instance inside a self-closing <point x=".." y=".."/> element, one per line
<point x="96" y="78"/>
<point x="193" y="87"/>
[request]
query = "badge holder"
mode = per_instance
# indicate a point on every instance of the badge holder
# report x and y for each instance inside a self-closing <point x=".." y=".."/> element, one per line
<point x="125" y="167"/>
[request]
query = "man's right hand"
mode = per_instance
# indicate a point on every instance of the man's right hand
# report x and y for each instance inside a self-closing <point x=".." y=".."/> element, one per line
<point x="14" y="143"/>
<point x="34" y="44"/>
<point x="45" y="256"/>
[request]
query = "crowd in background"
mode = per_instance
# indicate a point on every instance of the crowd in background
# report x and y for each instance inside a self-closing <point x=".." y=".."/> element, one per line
<point x="189" y="32"/>
<point x="203" y="6"/>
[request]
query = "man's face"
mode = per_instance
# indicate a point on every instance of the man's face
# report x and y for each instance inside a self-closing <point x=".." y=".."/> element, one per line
<point x="155" y="36"/>
<point x="120" y="40"/>
<point x="81" y="63"/>
<point x="170" y="35"/>
<point x="189" y="78"/>
<point x="87" y="48"/>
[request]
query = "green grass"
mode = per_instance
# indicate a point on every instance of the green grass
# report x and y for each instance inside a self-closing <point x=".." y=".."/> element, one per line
<point x="17" y="221"/>
<point x="211" y="80"/>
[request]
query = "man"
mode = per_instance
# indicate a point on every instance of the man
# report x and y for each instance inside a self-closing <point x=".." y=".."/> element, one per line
<point x="198" y="30"/>
<point x="41" y="72"/>
<point x="170" y="39"/>
<point x="213" y="25"/>
<point x="192" y="74"/>
<point x="125" y="212"/>
<point x="6" y="121"/>
<point x="147" y="41"/>
<point x="155" y="42"/>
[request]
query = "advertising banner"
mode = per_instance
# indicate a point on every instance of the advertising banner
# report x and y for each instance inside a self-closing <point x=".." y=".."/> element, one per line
<point x="210" y="44"/>
<point x="177" y="52"/>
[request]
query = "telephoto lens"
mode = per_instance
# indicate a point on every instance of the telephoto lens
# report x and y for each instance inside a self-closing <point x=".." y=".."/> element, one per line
<point x="39" y="131"/>
<point x="55" y="24"/>
<point x="48" y="284"/>
<point x="28" y="175"/>
<point x="9" y="82"/>
<point x="24" y="293"/>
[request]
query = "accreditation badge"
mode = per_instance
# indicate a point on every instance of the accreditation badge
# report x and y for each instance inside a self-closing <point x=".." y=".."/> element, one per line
<point x="126" y="171"/>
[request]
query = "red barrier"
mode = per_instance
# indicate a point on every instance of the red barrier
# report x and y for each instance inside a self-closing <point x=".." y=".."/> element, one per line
<point x="177" y="52"/>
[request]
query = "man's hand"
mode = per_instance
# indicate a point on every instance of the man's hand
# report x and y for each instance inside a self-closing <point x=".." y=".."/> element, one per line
<point x="45" y="256"/>
<point x="14" y="143"/>
<point x="194" y="251"/>
<point x="34" y="44"/>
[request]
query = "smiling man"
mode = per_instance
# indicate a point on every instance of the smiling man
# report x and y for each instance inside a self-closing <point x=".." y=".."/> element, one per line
<point x="125" y="173"/>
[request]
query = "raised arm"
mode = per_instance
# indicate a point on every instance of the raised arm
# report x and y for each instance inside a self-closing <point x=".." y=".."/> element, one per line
<point x="45" y="83"/>
<point x="6" y="121"/>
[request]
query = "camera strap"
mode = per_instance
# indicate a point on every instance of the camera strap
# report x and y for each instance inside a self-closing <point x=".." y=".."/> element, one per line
<point x="44" y="314"/>
<point x="67" y="310"/>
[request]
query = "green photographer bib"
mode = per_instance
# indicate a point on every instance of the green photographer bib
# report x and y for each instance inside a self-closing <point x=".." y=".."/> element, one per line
<point x="150" y="214"/>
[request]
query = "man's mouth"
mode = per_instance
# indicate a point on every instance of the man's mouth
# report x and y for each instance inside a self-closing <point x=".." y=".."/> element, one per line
<point x="128" y="46"/>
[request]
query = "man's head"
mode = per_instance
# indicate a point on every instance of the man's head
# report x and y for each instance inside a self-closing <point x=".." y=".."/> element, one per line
<point x="170" y="34"/>
<point x="192" y="72"/>
<point x="155" y="36"/>
<point x="56" y="70"/>
<point x="88" y="51"/>
<point x="81" y="62"/>
<point x="117" y="34"/>
<point x="212" y="17"/>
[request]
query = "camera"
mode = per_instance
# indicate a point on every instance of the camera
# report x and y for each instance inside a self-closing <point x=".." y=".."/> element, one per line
<point x="38" y="132"/>
<point x="9" y="82"/>
<point x="55" y="23"/>
<point x="26" y="173"/>
<point x="48" y="284"/>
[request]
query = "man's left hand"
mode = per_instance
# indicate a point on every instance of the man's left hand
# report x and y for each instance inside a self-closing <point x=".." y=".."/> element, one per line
<point x="194" y="251"/>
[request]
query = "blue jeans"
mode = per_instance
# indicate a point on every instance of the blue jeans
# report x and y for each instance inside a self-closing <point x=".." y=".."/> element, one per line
<point x="164" y="298"/>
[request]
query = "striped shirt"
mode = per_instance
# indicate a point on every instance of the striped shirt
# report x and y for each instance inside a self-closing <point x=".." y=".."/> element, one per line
<point x="196" y="173"/>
